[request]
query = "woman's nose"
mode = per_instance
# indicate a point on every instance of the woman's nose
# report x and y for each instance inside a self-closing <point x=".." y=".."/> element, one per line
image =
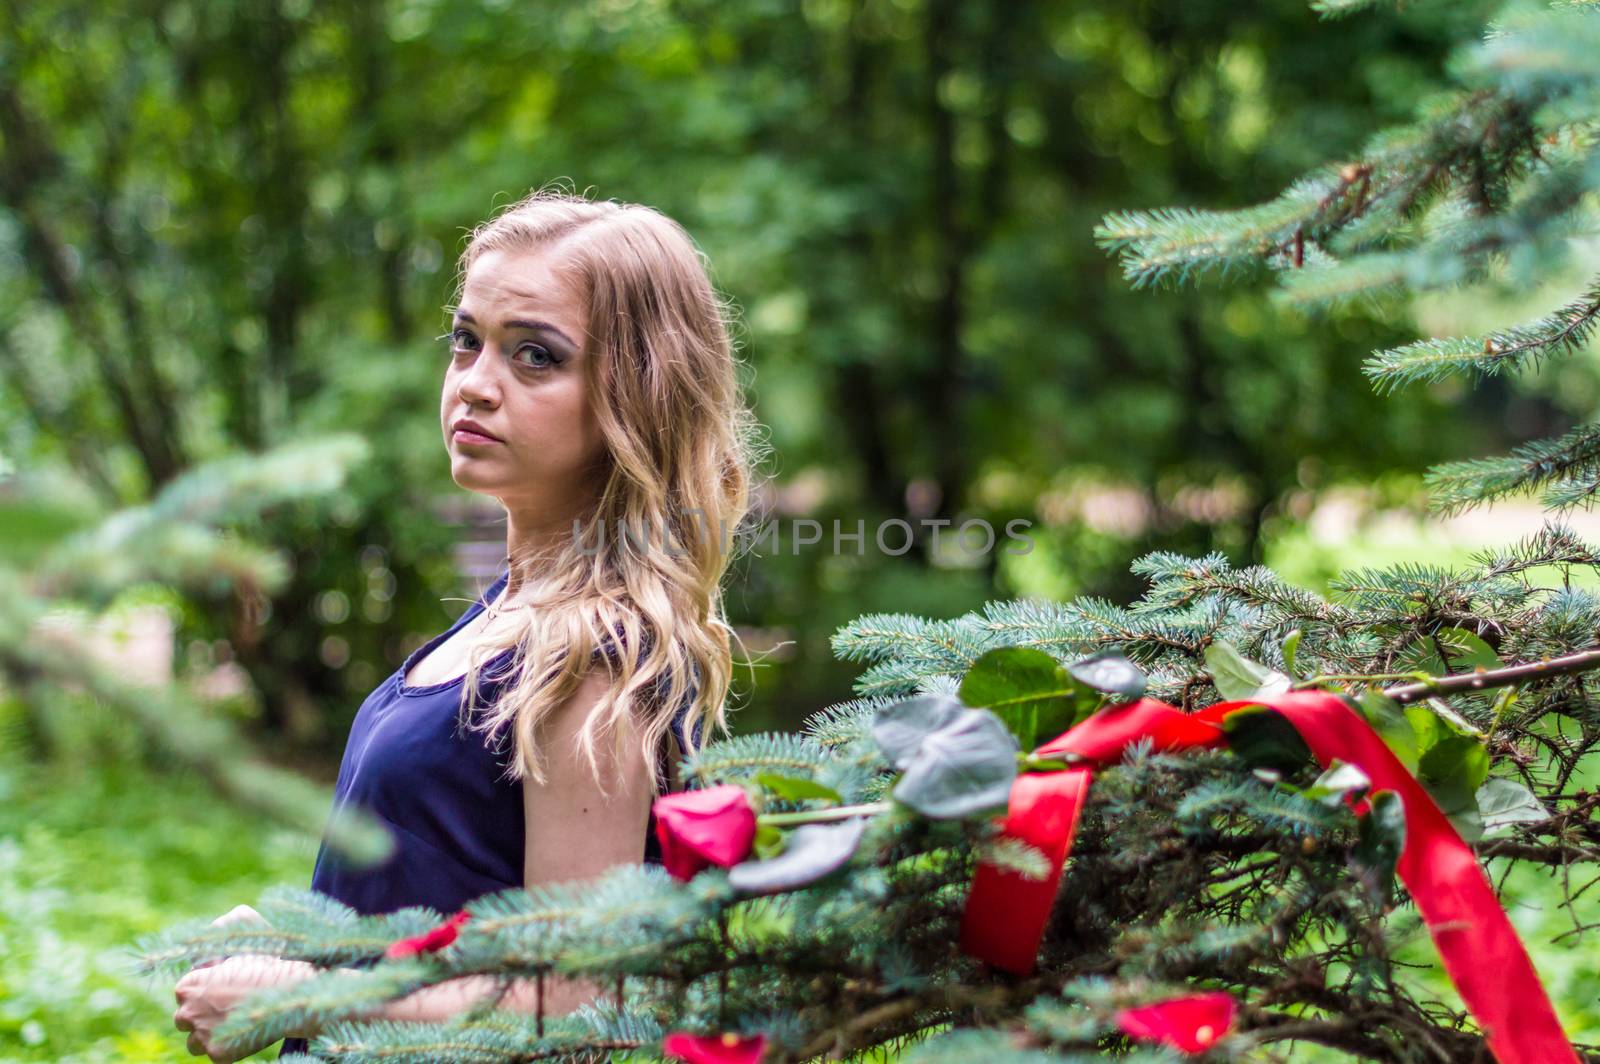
<point x="481" y="381"/>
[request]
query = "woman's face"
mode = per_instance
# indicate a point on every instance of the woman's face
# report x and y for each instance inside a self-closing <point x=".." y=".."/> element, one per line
<point x="516" y="369"/>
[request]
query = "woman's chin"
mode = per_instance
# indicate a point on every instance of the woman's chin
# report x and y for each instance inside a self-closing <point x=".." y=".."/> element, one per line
<point x="473" y="479"/>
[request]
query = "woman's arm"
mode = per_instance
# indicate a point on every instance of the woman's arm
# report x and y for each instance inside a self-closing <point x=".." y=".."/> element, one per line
<point x="572" y="833"/>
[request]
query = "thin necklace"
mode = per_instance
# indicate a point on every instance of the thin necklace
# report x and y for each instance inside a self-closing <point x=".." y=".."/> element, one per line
<point x="496" y="611"/>
<point x="493" y="611"/>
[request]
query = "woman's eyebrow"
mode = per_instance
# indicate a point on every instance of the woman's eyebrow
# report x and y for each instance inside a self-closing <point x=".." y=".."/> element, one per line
<point x="518" y="323"/>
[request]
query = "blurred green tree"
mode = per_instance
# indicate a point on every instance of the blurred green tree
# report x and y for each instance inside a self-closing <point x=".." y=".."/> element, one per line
<point x="1417" y="722"/>
<point x="231" y="225"/>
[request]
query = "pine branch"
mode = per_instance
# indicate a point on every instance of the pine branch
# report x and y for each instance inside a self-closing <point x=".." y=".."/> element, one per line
<point x="1533" y="671"/>
<point x="1182" y="243"/>
<point x="39" y="660"/>
<point x="1457" y="486"/>
<point x="174" y="538"/>
<point x="1340" y="8"/>
<point x="746" y="756"/>
<point x="283" y="1011"/>
<point x="1553" y="544"/>
<point x="1564" y="331"/>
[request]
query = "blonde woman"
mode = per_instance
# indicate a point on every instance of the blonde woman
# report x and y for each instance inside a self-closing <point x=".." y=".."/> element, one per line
<point x="591" y="387"/>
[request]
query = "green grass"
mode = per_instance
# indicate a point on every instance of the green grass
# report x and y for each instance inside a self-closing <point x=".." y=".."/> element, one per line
<point x="90" y="860"/>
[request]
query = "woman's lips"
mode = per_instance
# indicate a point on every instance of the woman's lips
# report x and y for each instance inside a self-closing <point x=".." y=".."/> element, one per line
<point x="467" y="436"/>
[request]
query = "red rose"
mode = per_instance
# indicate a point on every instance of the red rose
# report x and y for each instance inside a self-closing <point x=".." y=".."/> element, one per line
<point x="429" y="941"/>
<point x="713" y="1048"/>
<point x="1191" y="1024"/>
<point x="696" y="829"/>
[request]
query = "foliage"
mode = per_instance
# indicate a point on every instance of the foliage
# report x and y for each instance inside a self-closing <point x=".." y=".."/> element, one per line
<point x="228" y="225"/>
<point x="186" y="540"/>
<point x="1489" y="183"/>
<point x="93" y="855"/>
<point x="1167" y="885"/>
<point x="1246" y="871"/>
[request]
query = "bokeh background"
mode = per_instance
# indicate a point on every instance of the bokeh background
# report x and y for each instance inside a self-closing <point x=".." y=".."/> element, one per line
<point x="226" y="226"/>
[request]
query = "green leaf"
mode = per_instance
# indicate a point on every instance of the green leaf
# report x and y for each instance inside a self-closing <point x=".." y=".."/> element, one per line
<point x="1463" y="652"/>
<point x="1393" y="727"/>
<point x="1380" y="838"/>
<point x="1238" y="677"/>
<point x="1456" y="759"/>
<point x="963" y="768"/>
<point x="1453" y="770"/>
<point x="1433" y="722"/>
<point x="1502" y="802"/>
<point x="1468" y="651"/>
<point x="1111" y="673"/>
<point x="812" y="851"/>
<point x="1291" y="647"/>
<point x="1468" y="824"/>
<point x="768" y="841"/>
<point x="1264" y="739"/>
<point x="1426" y="726"/>
<point x="1458" y="724"/>
<point x="1030" y="691"/>
<point x="797" y="789"/>
<point x="1340" y="780"/>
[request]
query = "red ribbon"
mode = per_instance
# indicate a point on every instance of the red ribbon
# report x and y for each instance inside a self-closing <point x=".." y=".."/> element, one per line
<point x="1005" y="914"/>
<point x="430" y="941"/>
<point x="1043" y="812"/>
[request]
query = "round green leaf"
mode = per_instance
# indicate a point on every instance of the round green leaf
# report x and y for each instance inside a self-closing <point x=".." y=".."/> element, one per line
<point x="1502" y="802"/>
<point x="1237" y="677"/>
<point x="1029" y="690"/>
<point x="1264" y="739"/>
<point x="796" y="788"/>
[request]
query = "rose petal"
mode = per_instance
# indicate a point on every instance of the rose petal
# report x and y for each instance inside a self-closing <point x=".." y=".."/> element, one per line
<point x="1192" y="1024"/>
<point x="726" y="1048"/>
<point x="711" y="826"/>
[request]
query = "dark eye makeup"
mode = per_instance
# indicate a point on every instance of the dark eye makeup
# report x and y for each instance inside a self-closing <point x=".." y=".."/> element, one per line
<point x="543" y="357"/>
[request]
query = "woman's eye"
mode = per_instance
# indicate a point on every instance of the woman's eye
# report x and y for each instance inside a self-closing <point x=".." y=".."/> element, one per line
<point x="539" y="357"/>
<point x="461" y="338"/>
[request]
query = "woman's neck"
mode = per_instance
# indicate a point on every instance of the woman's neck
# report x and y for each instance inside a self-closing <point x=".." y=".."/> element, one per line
<point x="534" y="543"/>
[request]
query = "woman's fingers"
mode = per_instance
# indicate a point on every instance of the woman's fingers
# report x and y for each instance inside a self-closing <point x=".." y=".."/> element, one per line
<point x="238" y="914"/>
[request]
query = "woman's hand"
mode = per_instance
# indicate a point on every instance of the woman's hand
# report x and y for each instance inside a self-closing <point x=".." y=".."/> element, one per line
<point x="210" y="989"/>
<point x="207" y="995"/>
<point x="237" y="914"/>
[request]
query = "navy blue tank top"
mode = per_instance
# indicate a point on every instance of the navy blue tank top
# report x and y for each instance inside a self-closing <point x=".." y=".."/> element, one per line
<point x="442" y="791"/>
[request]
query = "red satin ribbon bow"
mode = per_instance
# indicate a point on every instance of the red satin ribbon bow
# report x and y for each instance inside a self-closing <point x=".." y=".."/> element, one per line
<point x="1005" y="914"/>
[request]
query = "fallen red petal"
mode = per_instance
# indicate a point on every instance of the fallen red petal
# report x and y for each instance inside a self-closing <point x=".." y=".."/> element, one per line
<point x="723" y="1048"/>
<point x="1190" y="1024"/>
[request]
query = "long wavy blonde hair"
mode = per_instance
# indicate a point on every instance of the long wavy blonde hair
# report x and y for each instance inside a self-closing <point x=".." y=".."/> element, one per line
<point x="681" y="452"/>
